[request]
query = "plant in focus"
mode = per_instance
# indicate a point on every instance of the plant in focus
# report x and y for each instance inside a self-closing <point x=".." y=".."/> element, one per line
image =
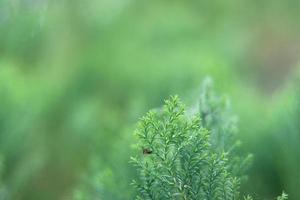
<point x="177" y="160"/>
<point x="189" y="157"/>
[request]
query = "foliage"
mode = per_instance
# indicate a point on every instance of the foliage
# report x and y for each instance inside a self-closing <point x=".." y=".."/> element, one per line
<point x="283" y="196"/>
<point x="76" y="76"/>
<point x="179" y="164"/>
<point x="216" y="115"/>
<point x="178" y="160"/>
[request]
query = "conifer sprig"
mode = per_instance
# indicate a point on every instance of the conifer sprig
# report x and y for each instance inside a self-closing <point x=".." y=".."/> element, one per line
<point x="181" y="164"/>
<point x="178" y="158"/>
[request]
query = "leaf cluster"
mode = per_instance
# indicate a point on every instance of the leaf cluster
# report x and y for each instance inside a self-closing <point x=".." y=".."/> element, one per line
<point x="181" y="164"/>
<point x="180" y="157"/>
<point x="216" y="116"/>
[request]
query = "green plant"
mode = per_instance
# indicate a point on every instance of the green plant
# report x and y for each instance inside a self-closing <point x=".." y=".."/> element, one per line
<point x="217" y="117"/>
<point x="181" y="159"/>
<point x="177" y="161"/>
<point x="283" y="196"/>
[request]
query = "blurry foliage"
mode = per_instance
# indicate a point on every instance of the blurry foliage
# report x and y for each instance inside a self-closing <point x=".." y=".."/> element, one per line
<point x="217" y="117"/>
<point x="75" y="76"/>
<point x="277" y="158"/>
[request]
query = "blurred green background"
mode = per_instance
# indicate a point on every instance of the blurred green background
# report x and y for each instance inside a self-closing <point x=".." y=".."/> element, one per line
<point x="75" y="76"/>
